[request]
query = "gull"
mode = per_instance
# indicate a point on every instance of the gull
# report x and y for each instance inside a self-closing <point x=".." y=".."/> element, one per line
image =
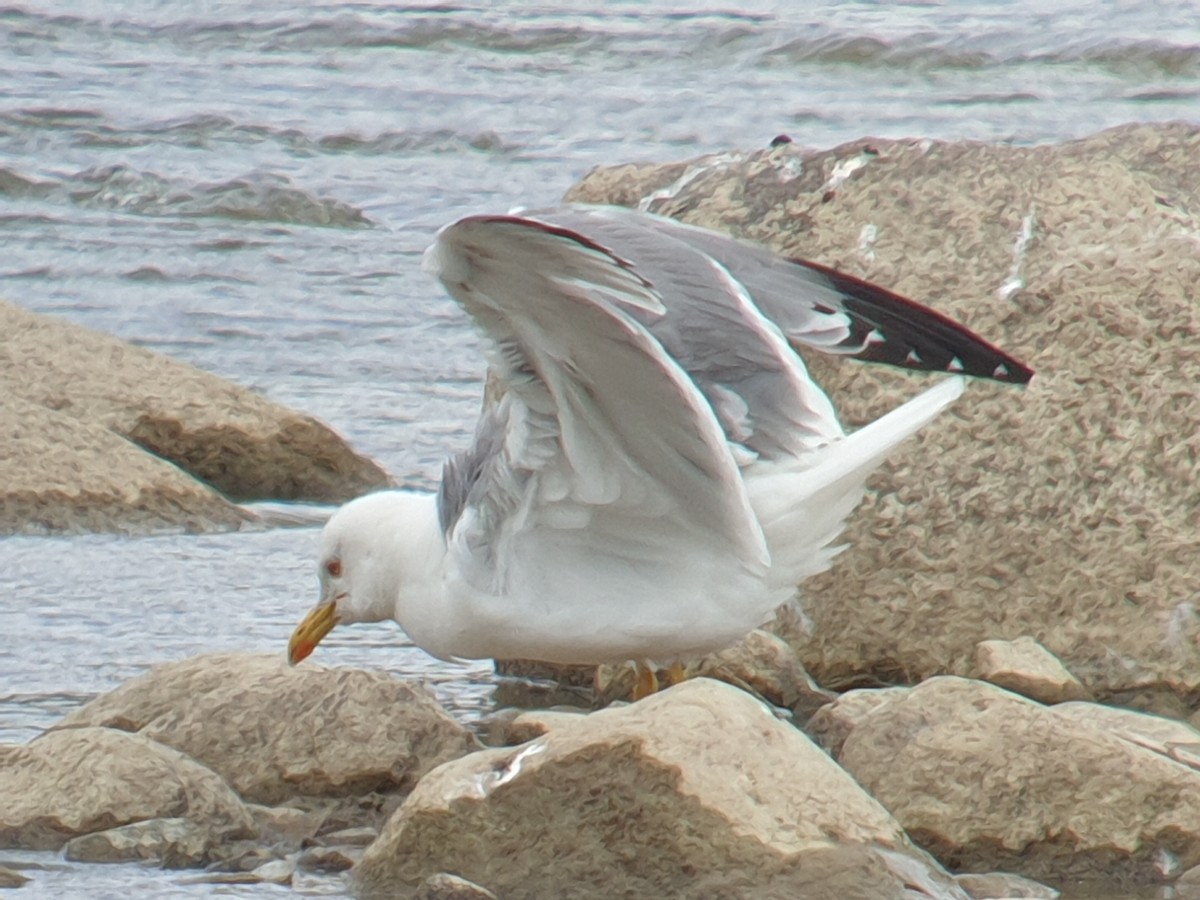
<point x="659" y="471"/>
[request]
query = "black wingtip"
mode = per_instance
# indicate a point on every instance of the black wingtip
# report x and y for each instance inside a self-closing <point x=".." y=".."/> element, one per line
<point x="896" y="331"/>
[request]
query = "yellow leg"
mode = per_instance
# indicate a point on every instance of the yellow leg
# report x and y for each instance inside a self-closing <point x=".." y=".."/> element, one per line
<point x="677" y="674"/>
<point x="647" y="680"/>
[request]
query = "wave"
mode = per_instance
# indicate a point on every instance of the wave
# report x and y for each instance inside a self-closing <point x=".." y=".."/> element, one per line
<point x="94" y="130"/>
<point x="626" y="32"/>
<point x="932" y="51"/>
<point x="257" y="198"/>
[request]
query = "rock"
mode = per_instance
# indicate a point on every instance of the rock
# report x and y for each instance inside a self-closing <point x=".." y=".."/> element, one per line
<point x="286" y="826"/>
<point x="510" y="727"/>
<point x="1067" y="508"/>
<point x="330" y="858"/>
<point x="985" y="886"/>
<point x="832" y="724"/>
<point x="988" y="780"/>
<point x="277" y="871"/>
<point x="103" y="435"/>
<point x="59" y="473"/>
<point x="1171" y="738"/>
<point x="171" y="843"/>
<point x="443" y="886"/>
<point x="530" y="684"/>
<point x="68" y="783"/>
<point x="349" y="837"/>
<point x="1026" y="667"/>
<point x="649" y="800"/>
<point x="761" y="663"/>
<point x="10" y="878"/>
<point x="274" y="731"/>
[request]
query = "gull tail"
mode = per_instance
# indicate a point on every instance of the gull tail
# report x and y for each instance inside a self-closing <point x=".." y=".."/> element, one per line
<point x="803" y="504"/>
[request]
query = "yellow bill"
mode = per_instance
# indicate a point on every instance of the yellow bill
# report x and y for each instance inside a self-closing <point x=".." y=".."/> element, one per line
<point x="318" y="623"/>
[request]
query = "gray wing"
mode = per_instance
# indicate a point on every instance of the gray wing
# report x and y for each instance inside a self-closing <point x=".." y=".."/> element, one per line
<point x="757" y="385"/>
<point x="708" y="279"/>
<point x="601" y="446"/>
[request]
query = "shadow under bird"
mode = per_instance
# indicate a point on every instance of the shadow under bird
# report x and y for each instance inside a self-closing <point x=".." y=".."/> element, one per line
<point x="659" y="472"/>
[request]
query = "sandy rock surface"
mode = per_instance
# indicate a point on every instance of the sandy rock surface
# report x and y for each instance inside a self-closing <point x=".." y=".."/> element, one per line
<point x="274" y="732"/>
<point x="652" y="800"/>
<point x="988" y="780"/>
<point x="68" y="783"/>
<point x="101" y="435"/>
<point x="61" y="473"/>
<point x="1070" y="504"/>
<point x="1027" y="668"/>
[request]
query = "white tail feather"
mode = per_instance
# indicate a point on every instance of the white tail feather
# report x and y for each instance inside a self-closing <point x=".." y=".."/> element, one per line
<point x="803" y="505"/>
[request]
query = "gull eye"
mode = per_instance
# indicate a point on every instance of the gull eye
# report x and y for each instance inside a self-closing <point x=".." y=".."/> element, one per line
<point x="334" y="568"/>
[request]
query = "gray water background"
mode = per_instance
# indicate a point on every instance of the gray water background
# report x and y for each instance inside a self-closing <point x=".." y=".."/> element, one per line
<point x="248" y="187"/>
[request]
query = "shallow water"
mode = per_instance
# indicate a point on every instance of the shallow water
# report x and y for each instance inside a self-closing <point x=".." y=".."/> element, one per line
<point x="248" y="186"/>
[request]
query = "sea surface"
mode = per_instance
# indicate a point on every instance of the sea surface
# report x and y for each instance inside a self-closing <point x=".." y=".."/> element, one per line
<point x="248" y="186"/>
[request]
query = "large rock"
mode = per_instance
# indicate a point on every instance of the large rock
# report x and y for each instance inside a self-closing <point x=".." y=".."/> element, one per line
<point x="1066" y="510"/>
<point x="61" y="473"/>
<point x="986" y="779"/>
<point x="275" y="732"/>
<point x="101" y="435"/>
<point x="696" y="792"/>
<point x="69" y="783"/>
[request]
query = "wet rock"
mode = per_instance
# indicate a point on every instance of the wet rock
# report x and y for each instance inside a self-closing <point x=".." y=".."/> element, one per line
<point x="69" y="783"/>
<point x="1026" y="667"/>
<point x="1005" y="886"/>
<point x="101" y="435"/>
<point x="286" y="826"/>
<point x="648" y="800"/>
<point x="10" y="878"/>
<point x="171" y="843"/>
<point x="988" y="780"/>
<point x="443" y="886"/>
<point x="274" y="731"/>
<point x="1066" y="508"/>
<point x="349" y="837"/>
<point x="330" y="858"/>
<point x="277" y="871"/>
<point x="509" y="727"/>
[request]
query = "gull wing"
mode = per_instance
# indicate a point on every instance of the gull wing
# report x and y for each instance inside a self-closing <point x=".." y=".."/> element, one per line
<point x="601" y="448"/>
<point x="758" y="387"/>
<point x="818" y="307"/>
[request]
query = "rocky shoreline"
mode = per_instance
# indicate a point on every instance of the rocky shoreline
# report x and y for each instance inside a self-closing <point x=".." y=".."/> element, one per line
<point x="952" y="788"/>
<point x="992" y="694"/>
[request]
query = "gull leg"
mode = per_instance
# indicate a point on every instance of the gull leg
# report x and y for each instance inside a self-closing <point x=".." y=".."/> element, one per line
<point x="677" y="674"/>
<point x="647" y="680"/>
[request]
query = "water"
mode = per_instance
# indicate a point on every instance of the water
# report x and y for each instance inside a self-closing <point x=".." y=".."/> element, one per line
<point x="247" y="186"/>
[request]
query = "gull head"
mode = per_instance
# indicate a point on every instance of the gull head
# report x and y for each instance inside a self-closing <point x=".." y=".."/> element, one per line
<point x="364" y="555"/>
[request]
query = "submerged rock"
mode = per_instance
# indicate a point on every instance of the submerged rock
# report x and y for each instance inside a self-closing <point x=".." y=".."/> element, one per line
<point x="653" y="800"/>
<point x="275" y="732"/>
<point x="1070" y="504"/>
<point x="102" y="435"/>
<point x="70" y="783"/>
<point x="171" y="843"/>
<point x="10" y="878"/>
